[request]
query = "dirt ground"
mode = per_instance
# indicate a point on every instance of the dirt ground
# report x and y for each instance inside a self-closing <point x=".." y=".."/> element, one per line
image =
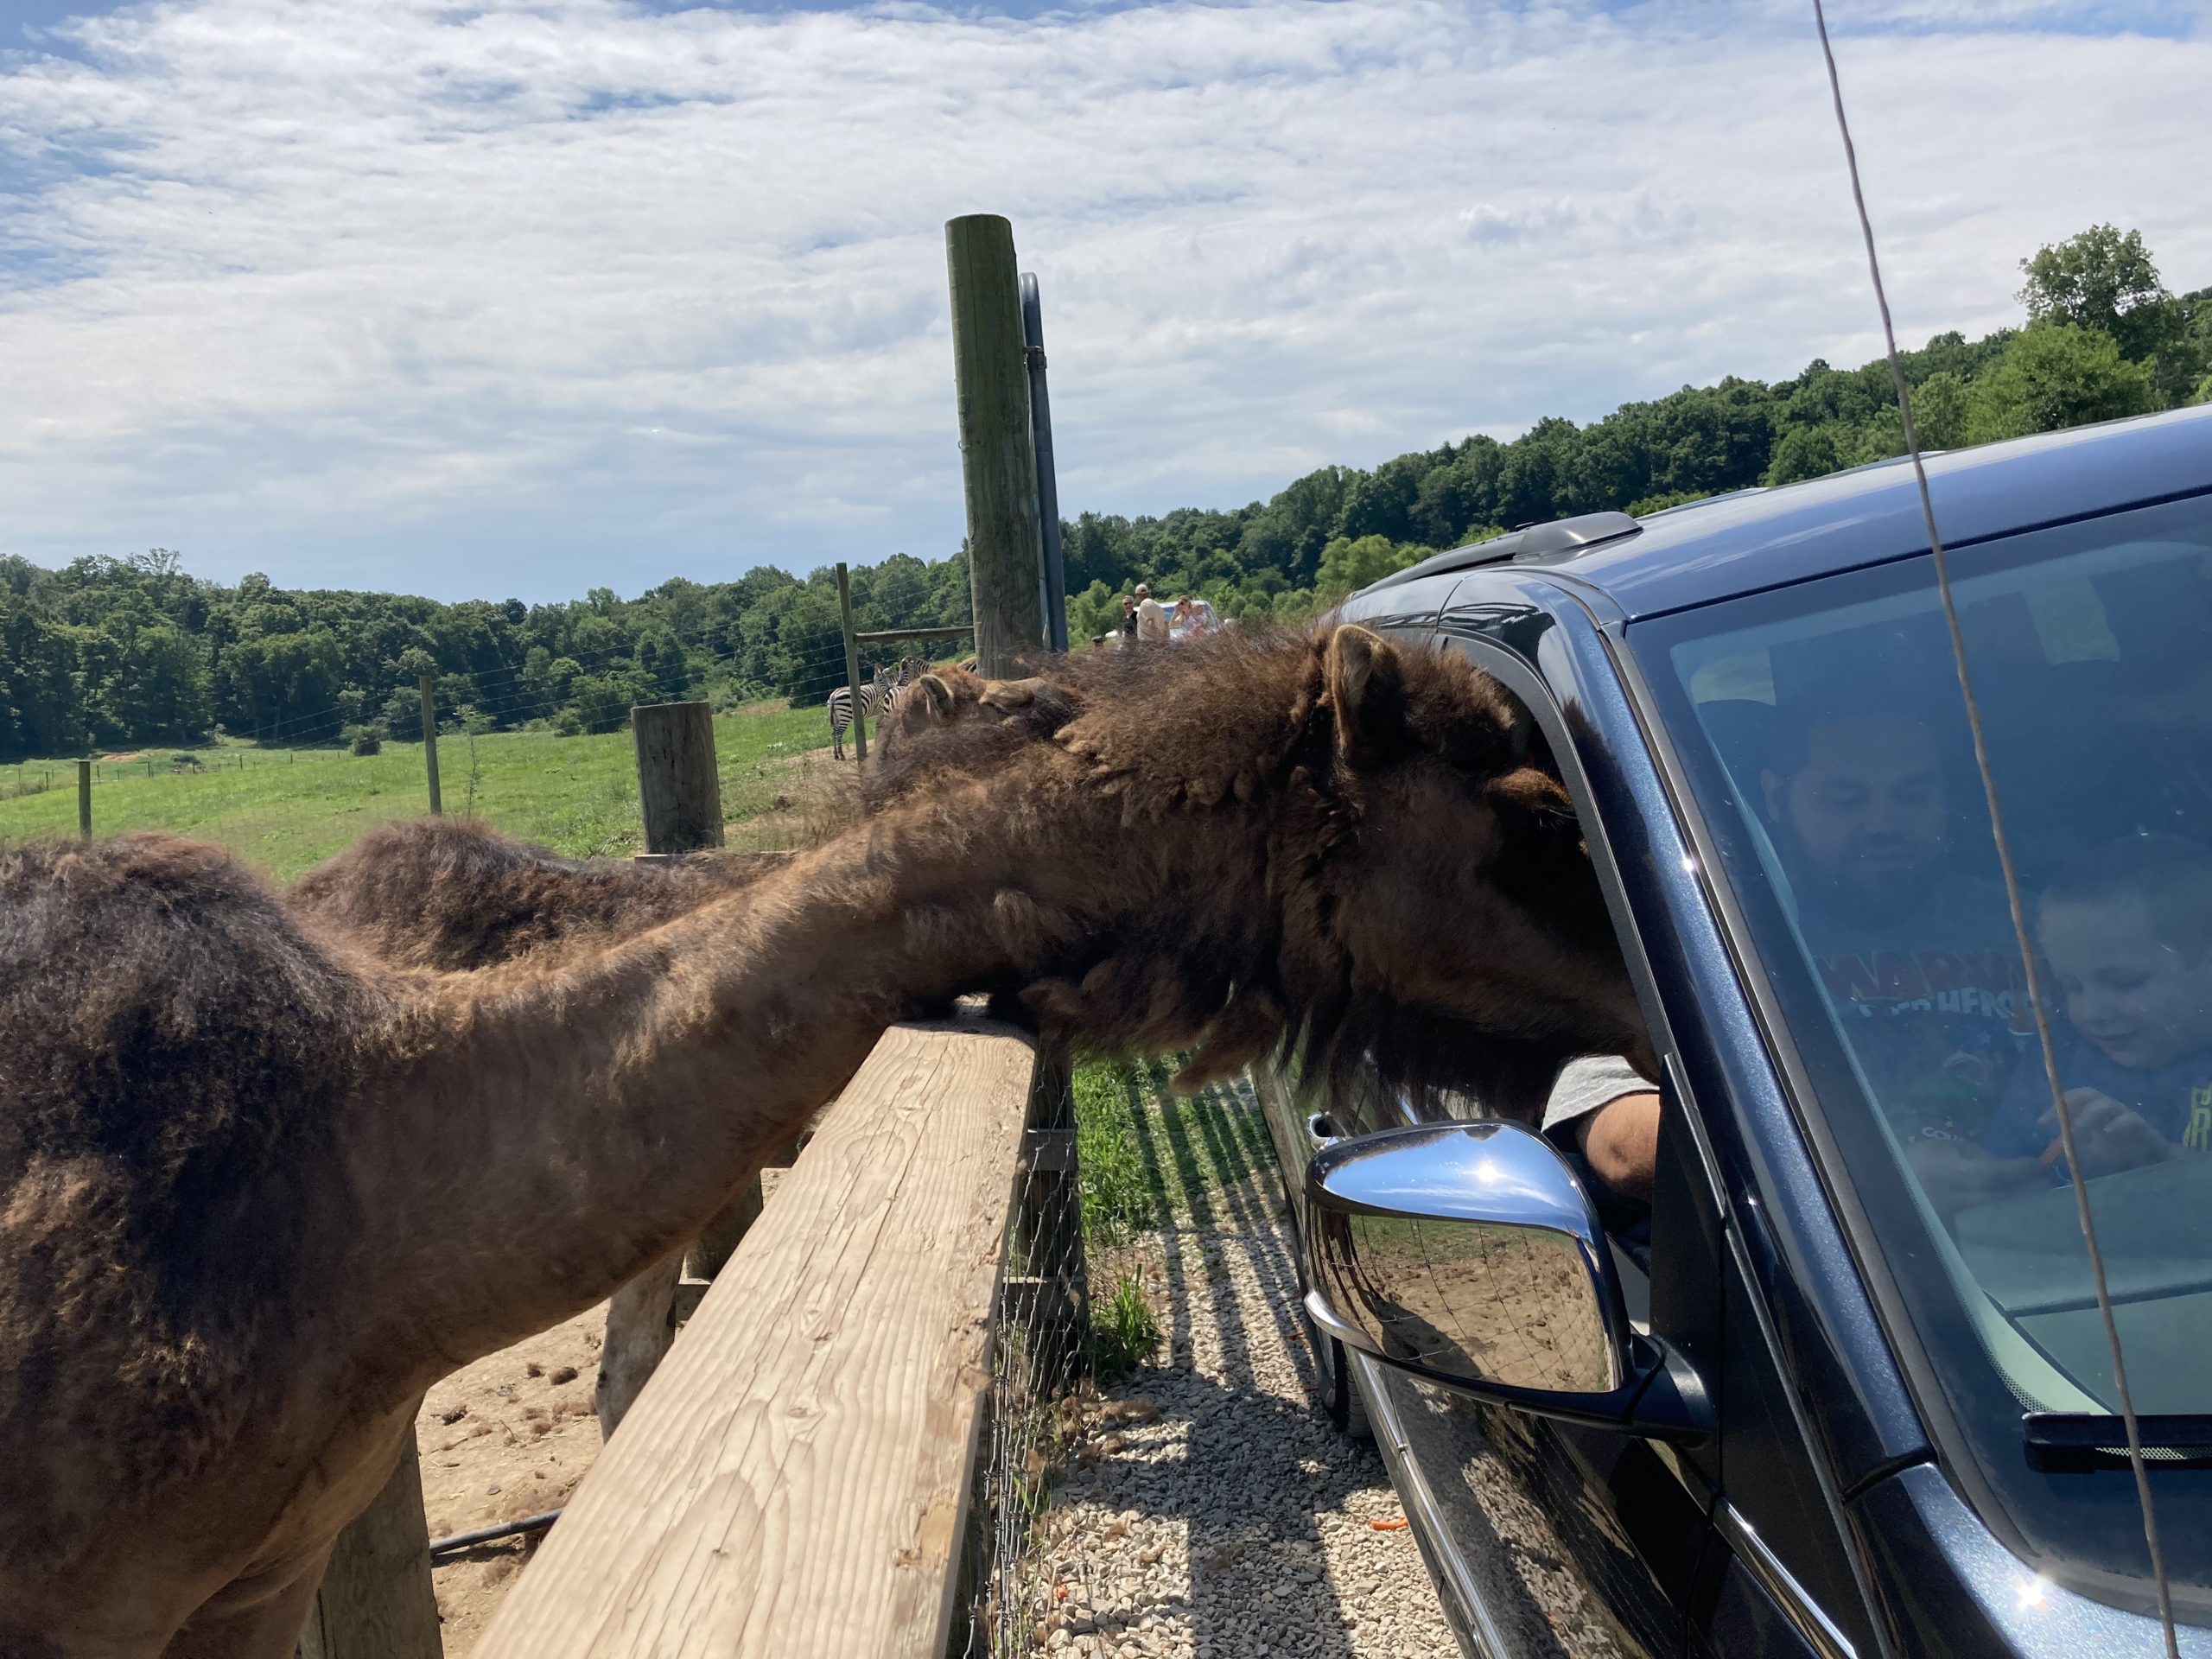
<point x="507" y="1437"/>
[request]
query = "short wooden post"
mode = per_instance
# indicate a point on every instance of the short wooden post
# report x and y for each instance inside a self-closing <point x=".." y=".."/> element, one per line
<point x="852" y="664"/>
<point x="84" y="799"/>
<point x="376" y="1601"/>
<point x="678" y="787"/>
<point x="680" y="791"/>
<point x="430" y="739"/>
<point x="998" y="454"/>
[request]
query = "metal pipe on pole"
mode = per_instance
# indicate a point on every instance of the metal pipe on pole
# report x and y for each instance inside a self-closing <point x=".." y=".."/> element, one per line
<point x="1048" y="488"/>
<point x="428" y="687"/>
<point x="853" y="665"/>
<point x="998" y="454"/>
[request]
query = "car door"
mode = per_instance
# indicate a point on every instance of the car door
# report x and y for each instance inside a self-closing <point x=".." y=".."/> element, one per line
<point x="1776" y="1573"/>
<point x="1559" y="1539"/>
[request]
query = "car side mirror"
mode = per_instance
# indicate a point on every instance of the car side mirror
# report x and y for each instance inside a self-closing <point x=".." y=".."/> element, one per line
<point x="1467" y="1253"/>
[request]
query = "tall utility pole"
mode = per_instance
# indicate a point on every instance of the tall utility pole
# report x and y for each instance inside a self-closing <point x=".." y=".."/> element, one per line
<point x="998" y="455"/>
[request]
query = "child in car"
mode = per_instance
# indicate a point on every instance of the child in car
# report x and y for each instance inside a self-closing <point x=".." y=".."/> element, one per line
<point x="2127" y="933"/>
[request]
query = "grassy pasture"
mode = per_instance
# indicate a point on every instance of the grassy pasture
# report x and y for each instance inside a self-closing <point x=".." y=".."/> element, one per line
<point x="284" y="810"/>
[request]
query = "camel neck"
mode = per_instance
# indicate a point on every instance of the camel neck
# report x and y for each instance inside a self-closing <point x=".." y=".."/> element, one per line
<point x="603" y="1111"/>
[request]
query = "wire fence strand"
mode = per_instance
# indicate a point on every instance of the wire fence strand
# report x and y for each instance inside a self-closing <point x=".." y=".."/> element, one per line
<point x="1041" y="1354"/>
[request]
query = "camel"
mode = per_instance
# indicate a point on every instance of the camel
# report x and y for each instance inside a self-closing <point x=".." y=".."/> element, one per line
<point x="453" y="895"/>
<point x="950" y="695"/>
<point x="259" y="1189"/>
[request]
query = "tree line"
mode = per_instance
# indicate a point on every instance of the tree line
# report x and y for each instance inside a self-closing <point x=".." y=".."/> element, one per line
<point x="114" y="652"/>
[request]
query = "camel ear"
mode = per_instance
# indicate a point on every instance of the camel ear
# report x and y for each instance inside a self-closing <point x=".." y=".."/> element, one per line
<point x="1538" y="805"/>
<point x="1367" y="690"/>
<point x="1008" y="695"/>
<point x="938" y="696"/>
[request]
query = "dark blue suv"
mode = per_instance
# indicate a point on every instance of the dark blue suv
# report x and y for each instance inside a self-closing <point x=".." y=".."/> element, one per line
<point x="1834" y="1381"/>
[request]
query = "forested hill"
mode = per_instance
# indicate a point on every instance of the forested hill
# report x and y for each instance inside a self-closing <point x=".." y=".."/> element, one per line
<point x="125" y="652"/>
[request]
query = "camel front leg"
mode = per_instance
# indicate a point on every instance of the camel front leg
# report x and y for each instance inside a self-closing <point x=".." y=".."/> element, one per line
<point x="640" y="1325"/>
<point x="253" y="1620"/>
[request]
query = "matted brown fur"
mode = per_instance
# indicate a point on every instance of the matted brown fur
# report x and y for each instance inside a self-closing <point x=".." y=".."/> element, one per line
<point x="454" y="893"/>
<point x="175" y="1049"/>
<point x="1285" y="931"/>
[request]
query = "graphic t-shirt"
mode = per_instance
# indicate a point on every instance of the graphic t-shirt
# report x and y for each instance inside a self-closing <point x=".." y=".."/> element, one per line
<point x="2175" y="1099"/>
<point x="1931" y="1006"/>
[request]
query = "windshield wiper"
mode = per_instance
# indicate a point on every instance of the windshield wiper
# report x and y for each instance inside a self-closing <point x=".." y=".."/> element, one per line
<point x="2075" y="1442"/>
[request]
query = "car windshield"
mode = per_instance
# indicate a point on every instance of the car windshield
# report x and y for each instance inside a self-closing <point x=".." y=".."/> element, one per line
<point x="1826" y="738"/>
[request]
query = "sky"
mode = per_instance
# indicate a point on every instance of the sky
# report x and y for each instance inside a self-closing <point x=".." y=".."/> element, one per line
<point x="480" y="300"/>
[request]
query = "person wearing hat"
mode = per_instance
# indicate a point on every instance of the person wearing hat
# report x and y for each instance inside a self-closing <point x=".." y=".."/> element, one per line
<point x="1152" y="621"/>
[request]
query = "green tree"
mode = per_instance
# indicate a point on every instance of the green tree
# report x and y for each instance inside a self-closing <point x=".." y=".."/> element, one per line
<point x="1811" y="452"/>
<point x="1348" y="565"/>
<point x="1939" y="412"/>
<point x="2057" y="375"/>
<point x="2103" y="278"/>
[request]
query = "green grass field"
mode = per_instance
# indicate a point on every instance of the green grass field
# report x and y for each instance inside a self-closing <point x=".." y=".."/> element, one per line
<point x="284" y="810"/>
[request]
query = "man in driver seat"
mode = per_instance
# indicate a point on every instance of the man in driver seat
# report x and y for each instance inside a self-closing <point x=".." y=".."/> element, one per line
<point x="1917" y="959"/>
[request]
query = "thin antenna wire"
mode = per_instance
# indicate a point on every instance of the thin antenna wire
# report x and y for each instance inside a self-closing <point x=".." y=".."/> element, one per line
<point x="2004" y="864"/>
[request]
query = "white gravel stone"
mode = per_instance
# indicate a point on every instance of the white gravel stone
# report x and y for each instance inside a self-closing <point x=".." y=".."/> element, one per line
<point x="1237" y="1524"/>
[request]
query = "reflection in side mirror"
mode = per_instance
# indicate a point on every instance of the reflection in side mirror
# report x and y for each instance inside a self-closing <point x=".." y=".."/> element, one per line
<point x="1468" y="1252"/>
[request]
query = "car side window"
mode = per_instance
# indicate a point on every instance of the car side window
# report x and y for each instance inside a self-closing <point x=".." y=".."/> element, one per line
<point x="1671" y="1224"/>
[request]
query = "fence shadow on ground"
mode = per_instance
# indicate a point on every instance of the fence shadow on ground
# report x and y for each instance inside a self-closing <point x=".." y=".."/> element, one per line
<point x="1244" y="1460"/>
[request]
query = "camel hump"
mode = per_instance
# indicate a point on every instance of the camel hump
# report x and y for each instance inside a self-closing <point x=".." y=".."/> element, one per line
<point x="454" y="894"/>
<point x="161" y="1008"/>
<point x="176" y="1054"/>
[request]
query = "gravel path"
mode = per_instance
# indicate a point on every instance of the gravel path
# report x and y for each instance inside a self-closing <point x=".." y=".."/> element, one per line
<point x="1209" y="1511"/>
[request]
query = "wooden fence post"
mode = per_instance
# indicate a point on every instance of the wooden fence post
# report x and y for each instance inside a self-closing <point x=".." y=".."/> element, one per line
<point x="680" y="793"/>
<point x="430" y="738"/>
<point x="678" y="788"/>
<point x="998" y="455"/>
<point x="375" y="1600"/>
<point x="852" y="664"/>
<point x="84" y="799"/>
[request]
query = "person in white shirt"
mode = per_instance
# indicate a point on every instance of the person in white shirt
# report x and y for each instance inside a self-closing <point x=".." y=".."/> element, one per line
<point x="1602" y="1109"/>
<point x="1151" y="620"/>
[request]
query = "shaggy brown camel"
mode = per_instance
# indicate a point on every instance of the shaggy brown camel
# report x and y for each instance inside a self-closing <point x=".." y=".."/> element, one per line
<point x="455" y="894"/>
<point x="258" y="1190"/>
<point x="946" y="696"/>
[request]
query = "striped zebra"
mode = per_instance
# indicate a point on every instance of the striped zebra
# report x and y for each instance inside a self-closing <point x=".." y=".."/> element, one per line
<point x="874" y="695"/>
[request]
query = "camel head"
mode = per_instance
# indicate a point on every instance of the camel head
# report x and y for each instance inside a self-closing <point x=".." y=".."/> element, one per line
<point x="1321" y="836"/>
<point x="948" y="697"/>
<point x="1448" y="919"/>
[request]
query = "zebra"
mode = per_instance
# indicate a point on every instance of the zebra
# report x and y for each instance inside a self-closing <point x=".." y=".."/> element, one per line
<point x="874" y="695"/>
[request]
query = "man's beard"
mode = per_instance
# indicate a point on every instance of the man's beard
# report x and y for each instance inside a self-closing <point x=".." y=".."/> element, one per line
<point x="1887" y="897"/>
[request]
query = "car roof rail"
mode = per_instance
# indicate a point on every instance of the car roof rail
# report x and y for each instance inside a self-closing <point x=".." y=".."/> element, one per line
<point x="1568" y="536"/>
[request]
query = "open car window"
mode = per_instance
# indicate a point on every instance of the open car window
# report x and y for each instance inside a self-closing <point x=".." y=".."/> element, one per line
<point x="1829" y="748"/>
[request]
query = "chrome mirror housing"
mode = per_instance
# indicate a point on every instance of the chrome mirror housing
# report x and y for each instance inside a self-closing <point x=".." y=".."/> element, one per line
<point x="1468" y="1253"/>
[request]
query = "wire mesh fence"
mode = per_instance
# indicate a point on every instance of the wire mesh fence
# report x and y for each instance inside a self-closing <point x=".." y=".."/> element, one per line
<point x="1041" y="1357"/>
<point x="314" y="781"/>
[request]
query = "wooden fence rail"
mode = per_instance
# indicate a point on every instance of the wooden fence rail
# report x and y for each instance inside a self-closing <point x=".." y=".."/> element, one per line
<point x="793" y="1481"/>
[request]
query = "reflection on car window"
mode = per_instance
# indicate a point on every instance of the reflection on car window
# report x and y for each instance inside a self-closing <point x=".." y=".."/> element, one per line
<point x="1832" y="756"/>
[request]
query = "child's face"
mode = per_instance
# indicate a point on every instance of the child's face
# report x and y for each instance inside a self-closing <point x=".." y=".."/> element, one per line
<point x="2143" y="1002"/>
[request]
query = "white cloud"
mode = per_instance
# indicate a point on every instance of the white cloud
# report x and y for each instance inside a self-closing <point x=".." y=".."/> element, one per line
<point x="524" y="299"/>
